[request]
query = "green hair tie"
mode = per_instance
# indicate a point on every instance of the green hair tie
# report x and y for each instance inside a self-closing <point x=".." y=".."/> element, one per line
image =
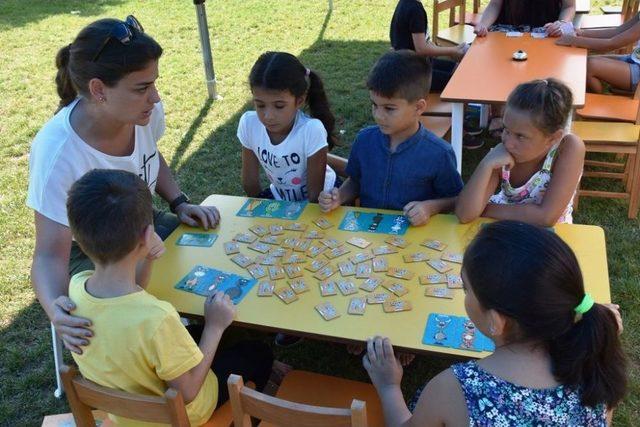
<point x="585" y="305"/>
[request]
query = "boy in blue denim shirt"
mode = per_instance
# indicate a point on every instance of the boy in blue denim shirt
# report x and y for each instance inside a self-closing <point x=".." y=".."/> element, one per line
<point x="399" y="164"/>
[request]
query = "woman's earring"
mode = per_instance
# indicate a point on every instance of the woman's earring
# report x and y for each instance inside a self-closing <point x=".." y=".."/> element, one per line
<point x="492" y="330"/>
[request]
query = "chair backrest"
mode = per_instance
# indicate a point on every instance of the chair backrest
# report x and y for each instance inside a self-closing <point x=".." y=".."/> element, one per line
<point x="476" y="6"/>
<point x="246" y="403"/>
<point x="629" y="9"/>
<point x="84" y="395"/>
<point x="452" y="6"/>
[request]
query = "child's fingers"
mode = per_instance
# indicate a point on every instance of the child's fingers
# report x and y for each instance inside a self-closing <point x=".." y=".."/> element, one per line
<point x="408" y="207"/>
<point x="371" y="352"/>
<point x="379" y="348"/>
<point x="335" y="193"/>
<point x="388" y="349"/>
<point x="366" y="362"/>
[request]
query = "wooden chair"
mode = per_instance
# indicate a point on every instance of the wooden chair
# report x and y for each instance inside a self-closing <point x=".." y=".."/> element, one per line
<point x="620" y="139"/>
<point x="438" y="107"/>
<point x="307" y="399"/>
<point x="608" y="20"/>
<point x="455" y="33"/>
<point x="438" y="125"/>
<point x="472" y="18"/>
<point x="84" y="395"/>
<point x="617" y="108"/>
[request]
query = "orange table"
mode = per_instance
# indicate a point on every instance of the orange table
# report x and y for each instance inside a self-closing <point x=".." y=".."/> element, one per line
<point x="487" y="74"/>
<point x="405" y="329"/>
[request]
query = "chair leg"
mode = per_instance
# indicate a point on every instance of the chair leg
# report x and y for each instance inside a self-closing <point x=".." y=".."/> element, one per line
<point x="629" y="171"/>
<point x="634" y="200"/>
<point x="57" y="360"/>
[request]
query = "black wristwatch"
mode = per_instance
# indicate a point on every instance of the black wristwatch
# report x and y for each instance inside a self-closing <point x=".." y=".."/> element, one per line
<point x="182" y="198"/>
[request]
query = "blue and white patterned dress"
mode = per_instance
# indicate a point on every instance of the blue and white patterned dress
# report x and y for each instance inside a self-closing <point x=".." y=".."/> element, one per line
<point x="492" y="401"/>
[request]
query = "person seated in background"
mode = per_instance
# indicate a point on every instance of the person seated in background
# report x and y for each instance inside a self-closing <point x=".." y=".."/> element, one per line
<point x="525" y="16"/>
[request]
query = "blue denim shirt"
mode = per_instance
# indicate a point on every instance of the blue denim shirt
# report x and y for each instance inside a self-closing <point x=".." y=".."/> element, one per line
<point x="422" y="168"/>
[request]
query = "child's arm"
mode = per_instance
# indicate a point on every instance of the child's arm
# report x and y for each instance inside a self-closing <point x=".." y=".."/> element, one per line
<point x="218" y="312"/>
<point x="489" y="16"/>
<point x="250" y="173"/>
<point x="419" y="213"/>
<point x="564" y="181"/>
<point x="440" y="401"/>
<point x="601" y="41"/>
<point x="347" y="193"/>
<point x="475" y="194"/>
<point x="605" y="33"/>
<point x="429" y="49"/>
<point x="316" y="171"/>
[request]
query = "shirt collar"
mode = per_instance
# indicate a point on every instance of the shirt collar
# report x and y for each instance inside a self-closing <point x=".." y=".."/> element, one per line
<point x="406" y="144"/>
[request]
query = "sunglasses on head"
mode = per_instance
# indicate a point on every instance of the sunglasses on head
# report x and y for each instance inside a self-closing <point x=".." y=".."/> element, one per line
<point x="121" y="31"/>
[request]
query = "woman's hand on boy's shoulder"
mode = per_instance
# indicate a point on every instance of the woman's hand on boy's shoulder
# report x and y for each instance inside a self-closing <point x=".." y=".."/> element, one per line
<point x="197" y="215"/>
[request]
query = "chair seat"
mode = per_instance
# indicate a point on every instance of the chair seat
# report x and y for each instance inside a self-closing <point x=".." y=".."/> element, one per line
<point x="438" y="107"/>
<point x="601" y="21"/>
<point x="609" y="107"/>
<point x="470" y="18"/>
<point x="221" y="417"/>
<point x="322" y="390"/>
<point x="607" y="132"/>
<point x="438" y="125"/>
<point x="611" y="9"/>
<point x="583" y="6"/>
<point x="456" y="35"/>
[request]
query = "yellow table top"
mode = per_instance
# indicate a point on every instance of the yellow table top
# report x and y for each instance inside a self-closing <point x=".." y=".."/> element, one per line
<point x="404" y="328"/>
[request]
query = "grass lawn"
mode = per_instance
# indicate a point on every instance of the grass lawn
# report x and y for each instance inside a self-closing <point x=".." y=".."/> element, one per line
<point x="201" y="147"/>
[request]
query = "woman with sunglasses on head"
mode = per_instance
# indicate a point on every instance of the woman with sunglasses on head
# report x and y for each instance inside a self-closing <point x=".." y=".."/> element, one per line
<point x="109" y="117"/>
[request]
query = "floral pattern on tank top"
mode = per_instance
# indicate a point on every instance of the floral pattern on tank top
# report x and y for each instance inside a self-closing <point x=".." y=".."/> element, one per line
<point x="533" y="191"/>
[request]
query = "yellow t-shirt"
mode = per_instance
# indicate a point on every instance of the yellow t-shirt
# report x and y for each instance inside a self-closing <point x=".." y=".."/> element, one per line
<point x="138" y="344"/>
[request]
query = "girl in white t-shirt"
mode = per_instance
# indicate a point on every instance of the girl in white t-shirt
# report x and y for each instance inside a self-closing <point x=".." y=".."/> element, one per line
<point x="290" y="145"/>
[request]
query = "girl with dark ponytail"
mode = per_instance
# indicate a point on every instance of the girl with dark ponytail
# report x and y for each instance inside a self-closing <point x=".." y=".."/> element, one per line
<point x="558" y="358"/>
<point x="109" y="117"/>
<point x="290" y="145"/>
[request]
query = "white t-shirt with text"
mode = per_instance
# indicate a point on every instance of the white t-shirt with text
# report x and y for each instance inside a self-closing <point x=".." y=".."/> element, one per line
<point x="286" y="163"/>
<point x="59" y="157"/>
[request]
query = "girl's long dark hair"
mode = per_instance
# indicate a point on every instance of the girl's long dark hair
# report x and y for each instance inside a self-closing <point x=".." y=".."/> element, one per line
<point x="283" y="71"/>
<point x="531" y="276"/>
<point x="77" y="64"/>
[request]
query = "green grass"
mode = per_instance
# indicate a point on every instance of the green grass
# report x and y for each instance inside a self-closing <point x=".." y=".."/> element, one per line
<point x="201" y="148"/>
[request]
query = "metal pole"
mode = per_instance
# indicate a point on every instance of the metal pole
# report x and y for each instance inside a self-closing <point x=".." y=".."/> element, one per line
<point x="207" y="58"/>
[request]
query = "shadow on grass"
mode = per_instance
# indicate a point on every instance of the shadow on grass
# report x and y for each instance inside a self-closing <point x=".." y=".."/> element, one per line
<point x="17" y="13"/>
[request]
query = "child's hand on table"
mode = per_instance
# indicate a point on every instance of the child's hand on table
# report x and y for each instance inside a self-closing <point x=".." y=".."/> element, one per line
<point x="156" y="247"/>
<point x="418" y="213"/>
<point x="499" y="157"/>
<point x="329" y="200"/>
<point x="381" y="364"/>
<point x="219" y="311"/>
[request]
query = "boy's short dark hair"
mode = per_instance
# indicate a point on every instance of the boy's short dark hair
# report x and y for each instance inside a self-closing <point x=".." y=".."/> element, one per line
<point x="401" y="74"/>
<point x="108" y="210"/>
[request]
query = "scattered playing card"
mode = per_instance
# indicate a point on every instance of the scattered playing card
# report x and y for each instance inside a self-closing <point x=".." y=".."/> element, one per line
<point x="360" y="257"/>
<point x="434" y="244"/>
<point x="265" y="288"/>
<point x="299" y="286"/>
<point x="346" y="269"/>
<point x="439" y="292"/>
<point x="276" y="229"/>
<point x="302" y="245"/>
<point x="347" y="287"/>
<point x="337" y="252"/>
<point x="263" y="248"/>
<point x="316" y="265"/>
<point x="275" y="272"/>
<point x="379" y="298"/>
<point x="380" y="264"/>
<point x="257" y="271"/>
<point x="314" y="251"/>
<point x="384" y="250"/>
<point x="359" y="242"/>
<point x="394" y="306"/>
<point x="432" y="279"/>
<point x="325" y="272"/>
<point x="323" y="223"/>
<point x="327" y="310"/>
<point x="286" y="294"/>
<point x="272" y="240"/>
<point x="439" y="266"/>
<point x="293" y="271"/>
<point x="328" y="288"/>
<point x="400" y="273"/>
<point x="415" y="257"/>
<point x="514" y="34"/>
<point x="242" y="260"/>
<point x="357" y="305"/>
<point x="450" y="256"/>
<point x="364" y="270"/>
<point x="454" y="281"/>
<point x="245" y="238"/>
<point x="293" y="259"/>
<point x="290" y="243"/>
<point x="231" y="248"/>
<point x="396" y="288"/>
<point x="371" y="284"/>
<point x="330" y="243"/>
<point x="266" y="260"/>
<point x="295" y="226"/>
<point x="397" y="241"/>
<point x="278" y="252"/>
<point x="539" y="35"/>
<point x="314" y="234"/>
<point x="196" y="239"/>
<point x="259" y="230"/>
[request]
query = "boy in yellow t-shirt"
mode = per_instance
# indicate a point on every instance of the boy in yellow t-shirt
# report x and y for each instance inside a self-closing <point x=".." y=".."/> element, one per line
<point x="139" y="343"/>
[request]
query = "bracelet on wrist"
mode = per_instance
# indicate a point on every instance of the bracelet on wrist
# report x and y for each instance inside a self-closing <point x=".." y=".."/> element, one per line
<point x="182" y="198"/>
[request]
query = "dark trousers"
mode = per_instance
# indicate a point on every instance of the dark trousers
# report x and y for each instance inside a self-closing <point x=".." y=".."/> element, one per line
<point x="250" y="359"/>
<point x="442" y="70"/>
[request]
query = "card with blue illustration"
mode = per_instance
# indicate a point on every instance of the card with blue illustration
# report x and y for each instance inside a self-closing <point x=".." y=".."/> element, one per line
<point x="374" y="222"/>
<point x="205" y="281"/>
<point x="445" y="330"/>
<point x="280" y="209"/>
<point x="197" y="239"/>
